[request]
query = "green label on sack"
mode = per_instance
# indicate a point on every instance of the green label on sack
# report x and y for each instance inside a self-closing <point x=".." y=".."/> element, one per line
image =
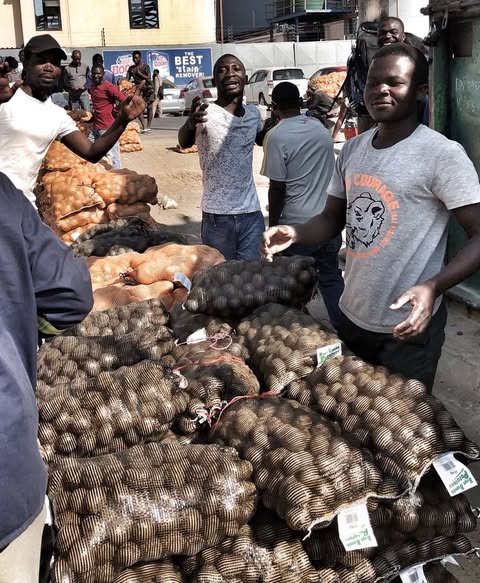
<point x="355" y="530"/>
<point x="456" y="477"/>
<point x="413" y="575"/>
<point x="328" y="352"/>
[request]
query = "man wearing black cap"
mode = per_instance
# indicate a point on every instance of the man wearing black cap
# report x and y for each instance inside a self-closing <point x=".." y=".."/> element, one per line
<point x="30" y="121"/>
<point x="299" y="160"/>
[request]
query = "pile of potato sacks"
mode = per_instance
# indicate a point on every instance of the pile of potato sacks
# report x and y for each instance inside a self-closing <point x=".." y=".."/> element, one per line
<point x="74" y="195"/>
<point x="226" y="457"/>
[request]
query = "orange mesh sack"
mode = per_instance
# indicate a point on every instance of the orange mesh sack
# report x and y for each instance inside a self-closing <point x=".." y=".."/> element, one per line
<point x="59" y="157"/>
<point x="69" y="192"/>
<point x="265" y="551"/>
<point x="391" y="415"/>
<point x="129" y="137"/>
<point x="92" y="216"/>
<point x="125" y="187"/>
<point x="121" y="294"/>
<point x="108" y="413"/>
<point x="119" y="321"/>
<point x="164" y="261"/>
<point x="283" y="344"/>
<point x="71" y="358"/>
<point x="72" y="236"/>
<point x="133" y="126"/>
<point x="236" y="288"/>
<point x="140" y="210"/>
<point x="107" y="270"/>
<point x="305" y="469"/>
<point x="148" y="503"/>
<point x="125" y="148"/>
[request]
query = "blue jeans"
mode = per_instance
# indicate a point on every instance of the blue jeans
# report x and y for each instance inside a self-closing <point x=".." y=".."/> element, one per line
<point x="330" y="280"/>
<point x="113" y="155"/>
<point x="235" y="236"/>
<point x="81" y="102"/>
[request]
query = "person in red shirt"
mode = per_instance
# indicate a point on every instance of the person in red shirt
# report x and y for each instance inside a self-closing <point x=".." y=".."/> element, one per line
<point x="104" y="95"/>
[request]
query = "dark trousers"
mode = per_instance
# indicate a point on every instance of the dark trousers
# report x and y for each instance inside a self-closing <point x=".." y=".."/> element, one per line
<point x="330" y="280"/>
<point x="415" y="358"/>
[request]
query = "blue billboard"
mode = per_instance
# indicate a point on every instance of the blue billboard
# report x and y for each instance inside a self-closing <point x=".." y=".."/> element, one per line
<point x="178" y="65"/>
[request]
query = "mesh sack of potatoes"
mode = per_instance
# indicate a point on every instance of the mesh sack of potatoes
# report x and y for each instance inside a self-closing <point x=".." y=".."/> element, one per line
<point x="235" y="288"/>
<point x="79" y="358"/>
<point x="140" y="210"/>
<point x="183" y="323"/>
<point x="91" y="216"/>
<point x="107" y="270"/>
<point x="59" y="157"/>
<point x="214" y="373"/>
<point x="122" y="236"/>
<point x="70" y="237"/>
<point x="122" y="294"/>
<point x="156" y="572"/>
<point x="436" y="573"/>
<point x="265" y="551"/>
<point x="282" y="343"/>
<point x="125" y="148"/>
<point x="145" y="504"/>
<point x="129" y="137"/>
<point x="108" y="413"/>
<point x="165" y="261"/>
<point x="126" y="187"/>
<point x="391" y="415"/>
<point x="304" y="468"/>
<point x="427" y="514"/>
<point x="119" y="321"/>
<point x="68" y="192"/>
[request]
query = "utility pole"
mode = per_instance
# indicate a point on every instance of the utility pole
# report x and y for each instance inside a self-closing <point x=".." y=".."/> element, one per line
<point x="220" y="5"/>
<point x="369" y="10"/>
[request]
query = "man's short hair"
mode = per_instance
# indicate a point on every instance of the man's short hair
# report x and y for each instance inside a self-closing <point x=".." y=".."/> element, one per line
<point x="420" y="74"/>
<point x="385" y="19"/>
<point x="227" y="55"/>
<point x="136" y="53"/>
<point x="97" y="57"/>
<point x="286" y="94"/>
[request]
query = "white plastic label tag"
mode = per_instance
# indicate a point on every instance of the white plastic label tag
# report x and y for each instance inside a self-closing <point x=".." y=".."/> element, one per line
<point x="197" y="336"/>
<point x="75" y="236"/>
<point x="48" y="516"/>
<point x="355" y="530"/>
<point x="328" y="352"/>
<point x="181" y="278"/>
<point x="456" y="477"/>
<point x="414" y="575"/>
<point x="449" y="560"/>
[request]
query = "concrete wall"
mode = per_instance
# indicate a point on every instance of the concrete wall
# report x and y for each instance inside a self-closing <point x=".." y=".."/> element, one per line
<point x="10" y="24"/>
<point x="181" y="22"/>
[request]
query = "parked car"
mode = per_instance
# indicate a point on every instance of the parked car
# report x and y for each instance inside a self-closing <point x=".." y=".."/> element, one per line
<point x="328" y="70"/>
<point x="199" y="87"/>
<point x="173" y="101"/>
<point x="260" y="85"/>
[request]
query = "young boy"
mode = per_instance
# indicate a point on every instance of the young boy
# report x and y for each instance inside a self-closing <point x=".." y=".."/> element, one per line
<point x="393" y="188"/>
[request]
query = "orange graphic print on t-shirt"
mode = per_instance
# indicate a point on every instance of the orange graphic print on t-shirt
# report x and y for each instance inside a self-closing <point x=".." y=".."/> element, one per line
<point x="372" y="215"/>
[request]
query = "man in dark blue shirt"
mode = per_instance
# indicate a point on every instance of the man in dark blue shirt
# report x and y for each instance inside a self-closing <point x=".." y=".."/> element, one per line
<point x="43" y="286"/>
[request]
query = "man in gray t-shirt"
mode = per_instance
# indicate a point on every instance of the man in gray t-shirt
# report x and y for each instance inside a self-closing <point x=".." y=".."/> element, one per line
<point x="393" y="189"/>
<point x="299" y="160"/>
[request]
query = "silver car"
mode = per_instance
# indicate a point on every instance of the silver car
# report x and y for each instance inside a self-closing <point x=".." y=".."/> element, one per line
<point x="173" y="101"/>
<point x="202" y="87"/>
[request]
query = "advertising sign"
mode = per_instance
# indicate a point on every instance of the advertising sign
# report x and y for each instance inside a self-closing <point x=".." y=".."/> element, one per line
<point x="178" y="65"/>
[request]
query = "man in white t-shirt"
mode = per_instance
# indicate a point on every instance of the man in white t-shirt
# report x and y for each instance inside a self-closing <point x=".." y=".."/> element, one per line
<point x="225" y="134"/>
<point x="394" y="188"/>
<point x="299" y="160"/>
<point x="30" y="121"/>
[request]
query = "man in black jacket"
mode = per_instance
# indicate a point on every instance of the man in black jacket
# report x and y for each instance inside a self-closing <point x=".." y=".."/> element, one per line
<point x="43" y="286"/>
